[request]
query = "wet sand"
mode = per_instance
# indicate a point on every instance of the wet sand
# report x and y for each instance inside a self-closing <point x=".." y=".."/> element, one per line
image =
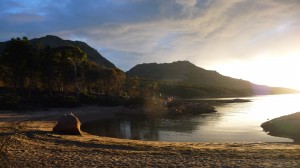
<point x="26" y="140"/>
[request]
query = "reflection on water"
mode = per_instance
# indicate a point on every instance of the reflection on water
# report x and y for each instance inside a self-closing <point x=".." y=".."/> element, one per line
<point x="234" y="122"/>
<point x="128" y="128"/>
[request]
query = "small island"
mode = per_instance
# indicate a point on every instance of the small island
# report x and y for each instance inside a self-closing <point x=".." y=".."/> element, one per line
<point x="237" y="100"/>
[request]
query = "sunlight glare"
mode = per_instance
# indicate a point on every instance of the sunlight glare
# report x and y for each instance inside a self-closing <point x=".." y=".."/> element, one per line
<point x="266" y="70"/>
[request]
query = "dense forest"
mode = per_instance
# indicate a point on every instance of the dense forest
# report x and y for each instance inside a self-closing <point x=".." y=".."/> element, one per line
<point x="36" y="74"/>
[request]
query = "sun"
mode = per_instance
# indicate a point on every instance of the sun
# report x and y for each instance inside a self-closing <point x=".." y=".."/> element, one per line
<point x="272" y="71"/>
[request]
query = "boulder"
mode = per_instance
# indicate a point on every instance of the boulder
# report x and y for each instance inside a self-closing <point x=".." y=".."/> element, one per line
<point x="68" y="125"/>
<point x="286" y="126"/>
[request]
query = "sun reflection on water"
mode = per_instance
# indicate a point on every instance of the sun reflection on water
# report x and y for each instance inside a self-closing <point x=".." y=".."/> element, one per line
<point x="244" y="119"/>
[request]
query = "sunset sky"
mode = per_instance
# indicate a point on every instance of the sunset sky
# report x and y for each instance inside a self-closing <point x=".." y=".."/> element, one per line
<point x="255" y="40"/>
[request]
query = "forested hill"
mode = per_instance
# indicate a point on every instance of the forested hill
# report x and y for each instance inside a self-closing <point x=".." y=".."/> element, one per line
<point x="186" y="72"/>
<point x="54" y="41"/>
<point x="59" y="74"/>
<point x="198" y="81"/>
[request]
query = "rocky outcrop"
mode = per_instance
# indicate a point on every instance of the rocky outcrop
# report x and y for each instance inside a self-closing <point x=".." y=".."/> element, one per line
<point x="286" y="126"/>
<point x="68" y="125"/>
<point x="178" y="107"/>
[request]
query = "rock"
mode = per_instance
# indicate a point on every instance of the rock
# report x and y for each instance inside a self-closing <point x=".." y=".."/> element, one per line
<point x="68" y="125"/>
<point x="286" y="126"/>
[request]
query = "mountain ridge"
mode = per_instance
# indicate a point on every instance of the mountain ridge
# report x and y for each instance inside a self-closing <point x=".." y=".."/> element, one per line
<point x="199" y="79"/>
<point x="182" y="71"/>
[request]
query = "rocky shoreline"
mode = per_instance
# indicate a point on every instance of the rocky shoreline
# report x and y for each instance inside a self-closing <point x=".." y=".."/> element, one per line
<point x="287" y="126"/>
<point x="190" y="107"/>
<point x="198" y="106"/>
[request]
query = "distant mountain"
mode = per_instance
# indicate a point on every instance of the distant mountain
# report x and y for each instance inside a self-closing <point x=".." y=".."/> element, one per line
<point x="201" y="80"/>
<point x="186" y="72"/>
<point x="54" y="41"/>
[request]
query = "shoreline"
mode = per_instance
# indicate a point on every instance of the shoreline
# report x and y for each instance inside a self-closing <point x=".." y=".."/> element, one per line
<point x="27" y="140"/>
<point x="285" y="126"/>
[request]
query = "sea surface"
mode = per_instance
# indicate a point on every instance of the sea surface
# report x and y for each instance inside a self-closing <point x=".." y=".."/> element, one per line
<point x="233" y="122"/>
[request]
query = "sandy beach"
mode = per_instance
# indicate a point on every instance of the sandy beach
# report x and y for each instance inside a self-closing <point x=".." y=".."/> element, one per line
<point x="27" y="141"/>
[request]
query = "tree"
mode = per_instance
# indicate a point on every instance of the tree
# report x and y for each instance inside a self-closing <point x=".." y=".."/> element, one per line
<point x="132" y="86"/>
<point x="92" y="77"/>
<point x="16" y="60"/>
<point x="115" y="82"/>
<point x="48" y="69"/>
<point x="68" y="60"/>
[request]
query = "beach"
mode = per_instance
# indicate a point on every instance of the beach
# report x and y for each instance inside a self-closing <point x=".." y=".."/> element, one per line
<point x="27" y="140"/>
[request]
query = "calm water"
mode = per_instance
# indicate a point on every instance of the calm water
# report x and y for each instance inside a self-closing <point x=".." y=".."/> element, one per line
<point x="234" y="122"/>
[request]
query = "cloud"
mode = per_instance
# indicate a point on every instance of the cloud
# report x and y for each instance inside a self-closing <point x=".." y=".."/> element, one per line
<point x="19" y="19"/>
<point x="206" y="32"/>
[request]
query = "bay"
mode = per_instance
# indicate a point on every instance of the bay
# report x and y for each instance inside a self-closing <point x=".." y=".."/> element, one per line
<point x="233" y="122"/>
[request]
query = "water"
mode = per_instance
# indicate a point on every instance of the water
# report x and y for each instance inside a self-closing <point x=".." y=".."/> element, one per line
<point x="234" y="122"/>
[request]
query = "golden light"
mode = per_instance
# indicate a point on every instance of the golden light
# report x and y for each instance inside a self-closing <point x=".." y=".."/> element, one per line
<point x="264" y="69"/>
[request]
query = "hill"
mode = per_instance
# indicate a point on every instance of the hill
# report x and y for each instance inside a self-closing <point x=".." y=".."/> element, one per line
<point x="185" y="72"/>
<point x="54" y="41"/>
<point x="189" y="80"/>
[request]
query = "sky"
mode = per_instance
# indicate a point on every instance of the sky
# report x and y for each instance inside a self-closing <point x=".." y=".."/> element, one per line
<point x="255" y="40"/>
